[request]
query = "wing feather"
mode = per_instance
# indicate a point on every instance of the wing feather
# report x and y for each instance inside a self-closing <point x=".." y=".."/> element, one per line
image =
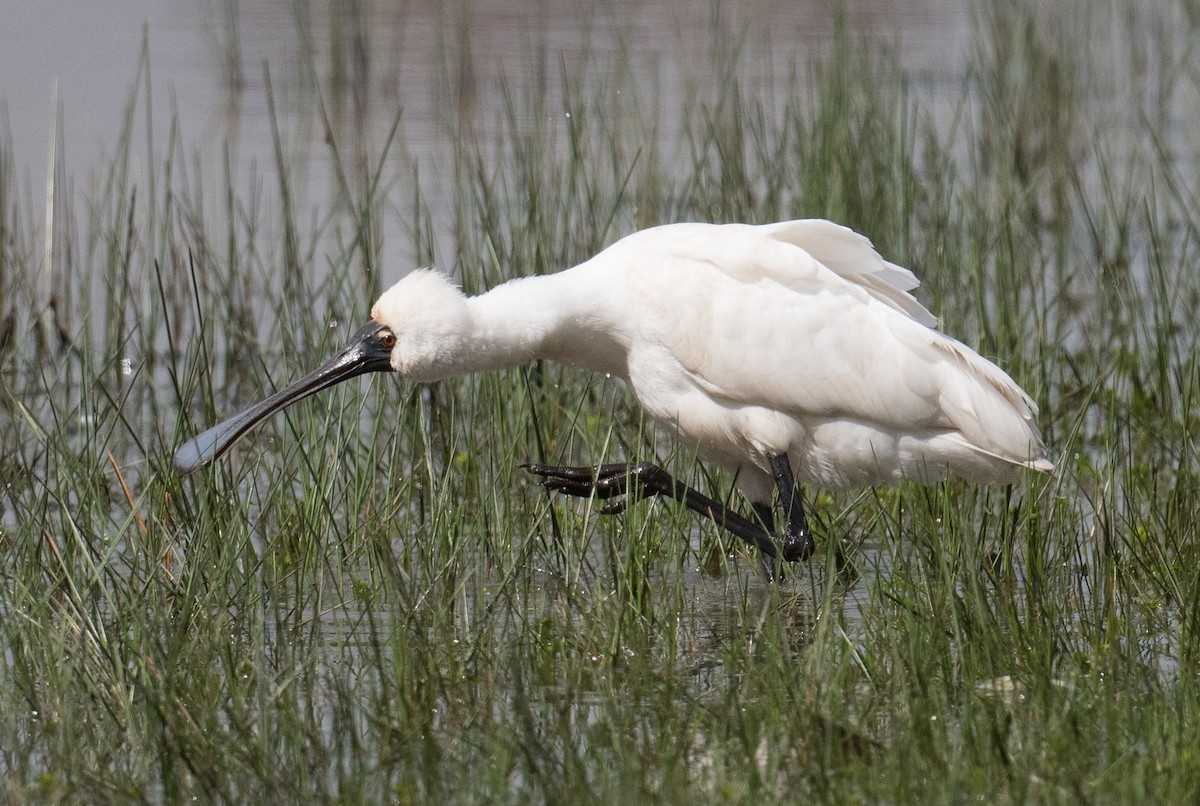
<point x="805" y="318"/>
<point x="853" y="257"/>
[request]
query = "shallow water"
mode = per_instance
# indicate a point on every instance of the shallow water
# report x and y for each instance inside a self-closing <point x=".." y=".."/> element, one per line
<point x="344" y="568"/>
<point x="208" y="64"/>
<point x="208" y="67"/>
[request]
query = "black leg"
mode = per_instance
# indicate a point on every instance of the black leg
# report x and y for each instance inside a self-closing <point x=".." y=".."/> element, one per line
<point x="644" y="480"/>
<point x="766" y="515"/>
<point x="797" y="542"/>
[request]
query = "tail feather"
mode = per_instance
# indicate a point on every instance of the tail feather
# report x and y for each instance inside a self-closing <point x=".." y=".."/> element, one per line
<point x="996" y="417"/>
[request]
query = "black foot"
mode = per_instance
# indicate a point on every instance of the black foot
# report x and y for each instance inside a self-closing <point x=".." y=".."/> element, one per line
<point x="798" y="548"/>
<point x="605" y="482"/>
<point x="644" y="480"/>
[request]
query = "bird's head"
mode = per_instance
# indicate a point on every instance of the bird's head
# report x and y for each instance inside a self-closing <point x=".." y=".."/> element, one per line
<point x="415" y="326"/>
<point x="427" y="313"/>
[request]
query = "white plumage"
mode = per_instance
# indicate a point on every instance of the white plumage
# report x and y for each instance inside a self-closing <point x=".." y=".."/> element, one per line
<point x="790" y="345"/>
<point x="794" y="338"/>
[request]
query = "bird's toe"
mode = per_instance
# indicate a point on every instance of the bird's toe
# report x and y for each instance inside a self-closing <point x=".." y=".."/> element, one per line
<point x="797" y="548"/>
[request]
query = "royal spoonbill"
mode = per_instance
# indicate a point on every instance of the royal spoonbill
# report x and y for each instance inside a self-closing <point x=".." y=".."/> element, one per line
<point x="783" y="352"/>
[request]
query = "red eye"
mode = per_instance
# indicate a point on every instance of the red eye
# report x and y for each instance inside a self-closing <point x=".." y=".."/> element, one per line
<point x="388" y="339"/>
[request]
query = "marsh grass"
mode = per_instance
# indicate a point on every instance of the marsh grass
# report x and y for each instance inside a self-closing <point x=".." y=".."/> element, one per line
<point x="370" y="601"/>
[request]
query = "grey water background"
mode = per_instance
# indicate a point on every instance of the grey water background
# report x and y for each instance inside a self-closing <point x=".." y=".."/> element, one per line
<point x="208" y="61"/>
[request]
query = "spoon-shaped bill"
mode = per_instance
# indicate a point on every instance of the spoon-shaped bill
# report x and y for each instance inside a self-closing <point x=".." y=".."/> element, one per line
<point x="370" y="350"/>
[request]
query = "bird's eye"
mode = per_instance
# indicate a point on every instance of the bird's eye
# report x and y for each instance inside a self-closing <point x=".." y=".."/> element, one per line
<point x="388" y="339"/>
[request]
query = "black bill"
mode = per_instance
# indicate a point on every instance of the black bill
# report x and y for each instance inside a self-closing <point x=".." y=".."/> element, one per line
<point x="370" y="350"/>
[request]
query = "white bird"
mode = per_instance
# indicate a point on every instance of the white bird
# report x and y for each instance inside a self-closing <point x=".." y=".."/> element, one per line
<point x="782" y="352"/>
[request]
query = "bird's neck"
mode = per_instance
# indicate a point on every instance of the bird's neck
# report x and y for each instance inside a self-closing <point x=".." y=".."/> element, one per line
<point x="557" y="316"/>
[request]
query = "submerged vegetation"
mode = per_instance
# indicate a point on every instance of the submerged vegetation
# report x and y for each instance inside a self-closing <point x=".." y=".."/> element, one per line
<point x="369" y="600"/>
